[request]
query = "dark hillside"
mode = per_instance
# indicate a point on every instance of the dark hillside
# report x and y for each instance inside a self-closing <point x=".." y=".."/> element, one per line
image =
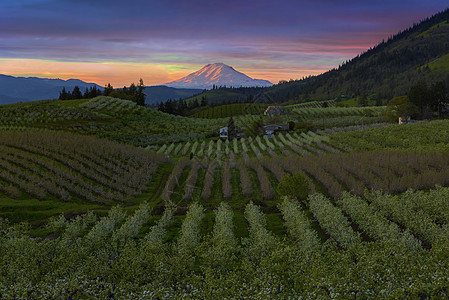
<point x="387" y="70"/>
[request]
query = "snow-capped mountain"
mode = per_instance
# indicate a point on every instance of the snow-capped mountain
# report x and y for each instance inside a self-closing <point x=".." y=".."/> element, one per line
<point x="217" y="74"/>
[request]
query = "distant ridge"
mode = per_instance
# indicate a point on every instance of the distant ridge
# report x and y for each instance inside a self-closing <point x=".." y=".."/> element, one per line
<point x="23" y="89"/>
<point x="217" y="74"/>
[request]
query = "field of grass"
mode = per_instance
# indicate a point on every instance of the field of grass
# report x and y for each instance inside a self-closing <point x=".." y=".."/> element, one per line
<point x="206" y="218"/>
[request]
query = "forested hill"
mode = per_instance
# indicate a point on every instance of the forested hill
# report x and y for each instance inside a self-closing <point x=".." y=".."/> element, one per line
<point x="387" y="70"/>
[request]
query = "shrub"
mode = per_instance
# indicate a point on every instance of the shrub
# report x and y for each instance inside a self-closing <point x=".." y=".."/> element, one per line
<point x="294" y="186"/>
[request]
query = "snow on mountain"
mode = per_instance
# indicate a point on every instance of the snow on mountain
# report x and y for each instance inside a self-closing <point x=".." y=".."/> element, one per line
<point x="217" y="74"/>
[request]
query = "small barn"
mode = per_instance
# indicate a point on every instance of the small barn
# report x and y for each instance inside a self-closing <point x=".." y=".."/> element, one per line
<point x="274" y="111"/>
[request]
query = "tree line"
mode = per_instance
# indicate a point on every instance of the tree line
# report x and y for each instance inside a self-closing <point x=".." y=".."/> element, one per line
<point x="181" y="107"/>
<point x="423" y="101"/>
<point x="191" y="106"/>
<point x="133" y="93"/>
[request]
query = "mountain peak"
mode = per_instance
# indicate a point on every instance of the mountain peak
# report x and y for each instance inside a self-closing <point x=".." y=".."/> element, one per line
<point x="218" y="74"/>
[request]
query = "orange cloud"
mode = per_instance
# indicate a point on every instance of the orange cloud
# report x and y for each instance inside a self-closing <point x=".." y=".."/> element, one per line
<point x="116" y="73"/>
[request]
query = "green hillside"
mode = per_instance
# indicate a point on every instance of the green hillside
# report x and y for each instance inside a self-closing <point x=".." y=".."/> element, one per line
<point x="124" y="121"/>
<point x="116" y="119"/>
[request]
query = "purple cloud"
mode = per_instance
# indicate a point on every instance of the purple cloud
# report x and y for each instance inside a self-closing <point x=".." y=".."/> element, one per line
<point x="276" y="34"/>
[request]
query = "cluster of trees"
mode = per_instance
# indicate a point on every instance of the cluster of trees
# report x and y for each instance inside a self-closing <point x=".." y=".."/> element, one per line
<point x="133" y="93"/>
<point x="77" y="94"/>
<point x="217" y="96"/>
<point x="428" y="98"/>
<point x="181" y="107"/>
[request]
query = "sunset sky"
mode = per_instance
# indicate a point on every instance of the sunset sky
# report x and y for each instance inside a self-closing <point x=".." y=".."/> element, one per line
<point x="121" y="41"/>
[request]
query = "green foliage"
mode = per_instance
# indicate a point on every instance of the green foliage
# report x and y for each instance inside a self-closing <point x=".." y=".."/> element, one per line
<point x="133" y="93"/>
<point x="419" y="95"/>
<point x="294" y="186"/>
<point x="400" y="107"/>
<point x="85" y="262"/>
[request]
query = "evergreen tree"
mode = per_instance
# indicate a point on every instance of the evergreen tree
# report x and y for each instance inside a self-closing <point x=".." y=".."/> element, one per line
<point x="140" y="95"/>
<point x="94" y="92"/>
<point x="63" y="94"/>
<point x="132" y="89"/>
<point x="232" y="133"/>
<point x="203" y="101"/>
<point x="108" y="89"/>
<point x="76" y="93"/>
<point x="169" y="107"/>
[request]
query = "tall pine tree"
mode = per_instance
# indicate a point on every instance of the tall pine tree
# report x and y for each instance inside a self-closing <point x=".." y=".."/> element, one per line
<point x="232" y="133"/>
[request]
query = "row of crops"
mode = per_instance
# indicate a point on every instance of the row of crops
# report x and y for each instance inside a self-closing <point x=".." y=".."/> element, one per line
<point x="313" y="104"/>
<point x="216" y="226"/>
<point x="348" y="248"/>
<point x="41" y="115"/>
<point x="68" y="167"/>
<point x="332" y="174"/>
<point x="278" y="144"/>
<point x="112" y="105"/>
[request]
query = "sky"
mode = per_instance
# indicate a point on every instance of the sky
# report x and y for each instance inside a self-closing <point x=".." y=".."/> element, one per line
<point x="118" y="42"/>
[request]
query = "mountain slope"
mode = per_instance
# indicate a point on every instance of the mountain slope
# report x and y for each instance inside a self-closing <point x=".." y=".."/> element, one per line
<point x="15" y="89"/>
<point x="217" y="74"/>
<point x="385" y="71"/>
